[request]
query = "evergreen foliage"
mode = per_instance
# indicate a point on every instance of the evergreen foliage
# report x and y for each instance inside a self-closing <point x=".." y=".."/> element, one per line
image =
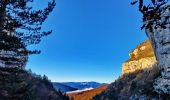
<point x="17" y="84"/>
<point x="18" y="17"/>
<point x="20" y="26"/>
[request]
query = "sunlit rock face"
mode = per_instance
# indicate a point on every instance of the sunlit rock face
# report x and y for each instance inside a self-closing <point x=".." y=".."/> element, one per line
<point x="12" y="52"/>
<point x="141" y="58"/>
<point x="160" y="40"/>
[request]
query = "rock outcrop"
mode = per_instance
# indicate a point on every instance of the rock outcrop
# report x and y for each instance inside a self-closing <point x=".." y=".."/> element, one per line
<point x="137" y="80"/>
<point x="160" y="40"/>
<point x="141" y="58"/>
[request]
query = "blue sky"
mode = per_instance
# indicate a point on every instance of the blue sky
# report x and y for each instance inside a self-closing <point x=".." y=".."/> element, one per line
<point x="90" y="41"/>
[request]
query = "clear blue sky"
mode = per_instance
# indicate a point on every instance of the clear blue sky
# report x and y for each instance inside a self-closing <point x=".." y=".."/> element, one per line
<point x="91" y="40"/>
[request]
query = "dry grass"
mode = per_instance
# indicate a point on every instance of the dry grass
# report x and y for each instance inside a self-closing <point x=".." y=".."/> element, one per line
<point x="87" y="95"/>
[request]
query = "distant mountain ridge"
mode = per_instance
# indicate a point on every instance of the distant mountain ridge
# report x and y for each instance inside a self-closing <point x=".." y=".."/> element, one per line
<point x="83" y="85"/>
<point x="63" y="88"/>
<point x="73" y="86"/>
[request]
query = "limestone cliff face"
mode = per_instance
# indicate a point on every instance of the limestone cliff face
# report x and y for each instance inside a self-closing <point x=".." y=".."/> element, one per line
<point x="141" y="58"/>
<point x="160" y="40"/>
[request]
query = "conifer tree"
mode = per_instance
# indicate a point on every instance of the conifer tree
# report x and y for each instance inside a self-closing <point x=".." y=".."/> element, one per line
<point x="20" y="26"/>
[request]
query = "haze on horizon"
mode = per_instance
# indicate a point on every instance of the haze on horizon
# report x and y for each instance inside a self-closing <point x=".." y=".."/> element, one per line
<point x="90" y="41"/>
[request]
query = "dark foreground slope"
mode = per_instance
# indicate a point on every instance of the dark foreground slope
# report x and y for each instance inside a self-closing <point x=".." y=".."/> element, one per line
<point x="134" y="86"/>
<point x="18" y="84"/>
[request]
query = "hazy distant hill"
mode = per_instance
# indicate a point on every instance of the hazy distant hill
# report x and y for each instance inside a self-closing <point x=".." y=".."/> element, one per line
<point x="83" y="85"/>
<point x="62" y="87"/>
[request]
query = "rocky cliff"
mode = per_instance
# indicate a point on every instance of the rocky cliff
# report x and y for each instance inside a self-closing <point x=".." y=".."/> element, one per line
<point x="137" y="80"/>
<point x="141" y="58"/>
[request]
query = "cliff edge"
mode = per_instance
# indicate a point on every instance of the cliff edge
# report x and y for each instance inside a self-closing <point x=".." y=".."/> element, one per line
<point x="137" y="79"/>
<point x="141" y="58"/>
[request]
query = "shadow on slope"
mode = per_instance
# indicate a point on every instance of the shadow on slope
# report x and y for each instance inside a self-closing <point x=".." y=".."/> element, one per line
<point x="16" y="84"/>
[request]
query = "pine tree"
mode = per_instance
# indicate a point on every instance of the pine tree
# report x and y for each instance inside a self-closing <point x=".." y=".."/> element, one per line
<point x="20" y="26"/>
